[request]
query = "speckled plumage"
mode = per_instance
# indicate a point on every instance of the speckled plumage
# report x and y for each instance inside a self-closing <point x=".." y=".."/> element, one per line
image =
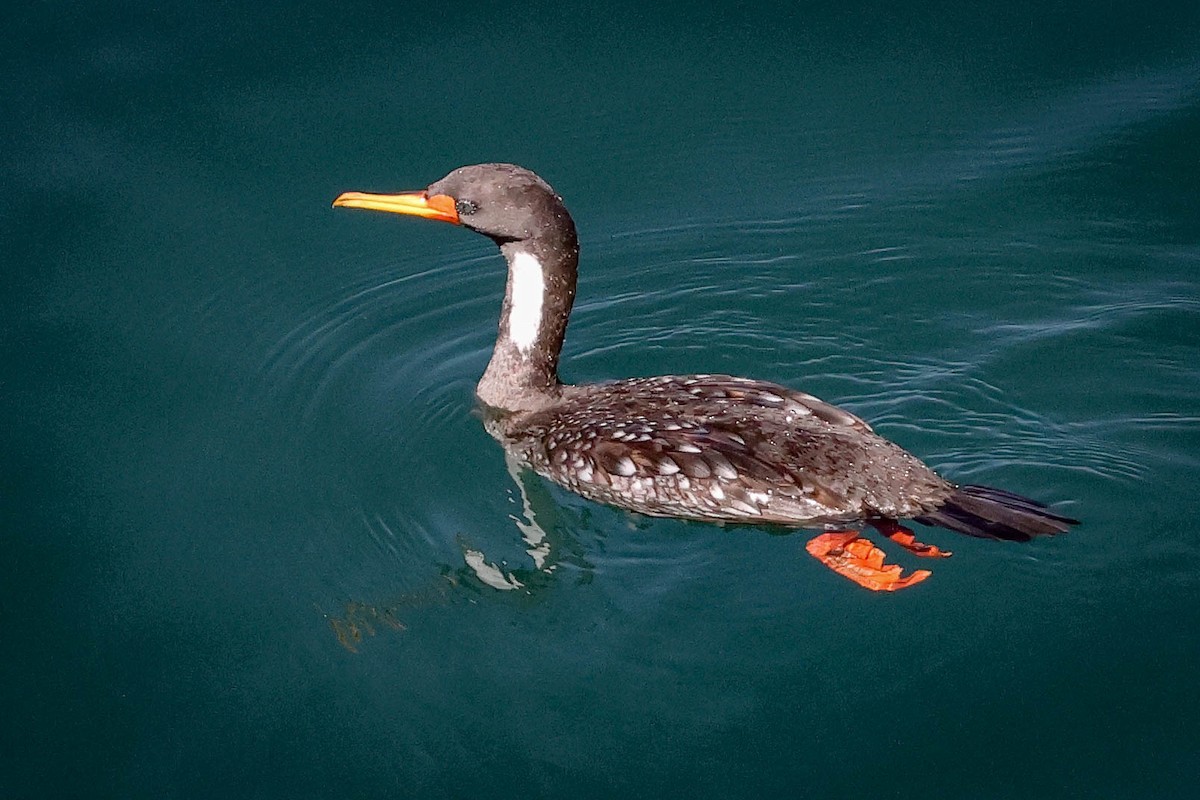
<point x="715" y="447"/>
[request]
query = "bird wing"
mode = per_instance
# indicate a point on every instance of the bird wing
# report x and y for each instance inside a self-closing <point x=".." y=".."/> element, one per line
<point x="714" y="447"/>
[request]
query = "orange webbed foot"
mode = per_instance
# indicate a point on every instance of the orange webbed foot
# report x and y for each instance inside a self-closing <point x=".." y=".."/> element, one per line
<point x="853" y="557"/>
<point x="905" y="538"/>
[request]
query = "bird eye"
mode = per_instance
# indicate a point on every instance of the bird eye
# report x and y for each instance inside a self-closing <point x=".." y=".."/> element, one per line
<point x="465" y="207"/>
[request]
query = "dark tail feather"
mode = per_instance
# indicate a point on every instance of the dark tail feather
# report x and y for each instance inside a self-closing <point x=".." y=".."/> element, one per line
<point x="995" y="514"/>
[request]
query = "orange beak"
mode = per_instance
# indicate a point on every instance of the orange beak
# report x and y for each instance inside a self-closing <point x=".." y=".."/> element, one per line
<point x="416" y="204"/>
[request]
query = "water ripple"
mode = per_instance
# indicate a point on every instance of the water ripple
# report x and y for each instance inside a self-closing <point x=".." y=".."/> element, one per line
<point x="383" y="328"/>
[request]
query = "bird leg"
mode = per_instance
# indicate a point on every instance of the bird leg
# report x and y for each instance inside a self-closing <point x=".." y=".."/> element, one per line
<point x="854" y="557"/>
<point x="905" y="538"/>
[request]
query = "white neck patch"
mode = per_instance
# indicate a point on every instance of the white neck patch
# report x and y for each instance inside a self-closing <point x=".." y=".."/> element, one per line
<point x="528" y="289"/>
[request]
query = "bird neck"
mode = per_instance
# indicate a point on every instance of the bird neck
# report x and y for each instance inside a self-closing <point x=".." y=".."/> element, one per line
<point x="523" y="372"/>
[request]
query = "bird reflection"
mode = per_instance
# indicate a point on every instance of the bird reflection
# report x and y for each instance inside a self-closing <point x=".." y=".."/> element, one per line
<point x="542" y="525"/>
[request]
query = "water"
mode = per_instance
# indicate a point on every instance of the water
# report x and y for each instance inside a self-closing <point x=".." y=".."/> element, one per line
<point x="258" y="545"/>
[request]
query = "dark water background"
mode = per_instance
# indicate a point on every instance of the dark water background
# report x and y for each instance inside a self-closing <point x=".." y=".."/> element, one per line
<point x="243" y="488"/>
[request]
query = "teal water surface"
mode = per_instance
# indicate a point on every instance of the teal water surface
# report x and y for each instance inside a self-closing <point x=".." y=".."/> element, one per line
<point x="258" y="544"/>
